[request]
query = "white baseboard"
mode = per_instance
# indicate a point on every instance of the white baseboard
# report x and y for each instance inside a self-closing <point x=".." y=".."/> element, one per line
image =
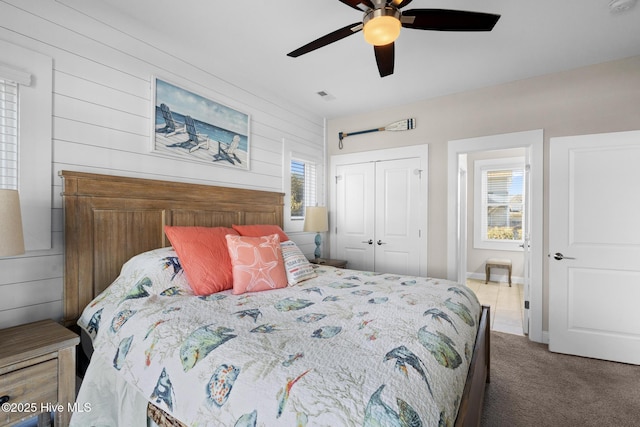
<point x="496" y="278"/>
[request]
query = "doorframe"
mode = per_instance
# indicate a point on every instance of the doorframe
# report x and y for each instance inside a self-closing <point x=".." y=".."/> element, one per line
<point x="412" y="151"/>
<point x="461" y="215"/>
<point x="533" y="141"/>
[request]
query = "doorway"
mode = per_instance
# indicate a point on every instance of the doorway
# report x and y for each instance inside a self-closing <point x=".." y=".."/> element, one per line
<point x="496" y="215"/>
<point x="532" y="144"/>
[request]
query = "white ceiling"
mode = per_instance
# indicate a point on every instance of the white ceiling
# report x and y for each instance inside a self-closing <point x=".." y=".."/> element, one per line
<point x="245" y="42"/>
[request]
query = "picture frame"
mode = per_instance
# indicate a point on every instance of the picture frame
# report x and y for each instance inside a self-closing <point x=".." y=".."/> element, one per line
<point x="192" y="127"/>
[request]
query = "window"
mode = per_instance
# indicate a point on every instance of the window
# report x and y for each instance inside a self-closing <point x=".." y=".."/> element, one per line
<point x="8" y="134"/>
<point x="499" y="203"/>
<point x="25" y="150"/>
<point x="303" y="187"/>
<point x="302" y="181"/>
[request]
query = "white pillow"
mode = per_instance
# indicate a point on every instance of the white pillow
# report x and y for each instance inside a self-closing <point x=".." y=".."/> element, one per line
<point x="296" y="265"/>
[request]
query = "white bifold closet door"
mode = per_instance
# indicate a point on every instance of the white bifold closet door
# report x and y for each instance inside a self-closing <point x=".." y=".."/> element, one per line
<point x="377" y="215"/>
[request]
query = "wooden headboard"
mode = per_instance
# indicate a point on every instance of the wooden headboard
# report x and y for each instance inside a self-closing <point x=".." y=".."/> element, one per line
<point x="109" y="219"/>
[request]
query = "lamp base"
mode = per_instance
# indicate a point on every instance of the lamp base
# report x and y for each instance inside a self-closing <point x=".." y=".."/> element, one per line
<point x="318" y="241"/>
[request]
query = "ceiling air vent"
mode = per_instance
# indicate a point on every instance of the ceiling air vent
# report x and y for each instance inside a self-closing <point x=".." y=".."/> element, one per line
<point x="326" y="95"/>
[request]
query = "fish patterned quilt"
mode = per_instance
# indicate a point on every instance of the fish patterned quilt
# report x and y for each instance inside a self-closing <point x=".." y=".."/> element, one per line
<point x="347" y="348"/>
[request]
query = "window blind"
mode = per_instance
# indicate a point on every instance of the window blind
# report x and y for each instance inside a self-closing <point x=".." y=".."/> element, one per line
<point x="303" y="187"/>
<point x="503" y="203"/>
<point x="8" y="134"/>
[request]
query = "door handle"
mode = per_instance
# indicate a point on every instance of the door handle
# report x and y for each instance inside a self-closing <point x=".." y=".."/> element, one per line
<point x="380" y="242"/>
<point x="560" y="257"/>
<point x="370" y="241"/>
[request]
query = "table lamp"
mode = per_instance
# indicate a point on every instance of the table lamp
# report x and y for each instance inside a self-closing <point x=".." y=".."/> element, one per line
<point x="11" y="237"/>
<point x="316" y="219"/>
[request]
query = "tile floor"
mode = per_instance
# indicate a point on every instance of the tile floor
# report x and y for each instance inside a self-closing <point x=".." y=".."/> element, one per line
<point x="505" y="302"/>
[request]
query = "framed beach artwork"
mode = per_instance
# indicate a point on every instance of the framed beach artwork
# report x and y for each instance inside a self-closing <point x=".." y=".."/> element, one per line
<point x="192" y="127"/>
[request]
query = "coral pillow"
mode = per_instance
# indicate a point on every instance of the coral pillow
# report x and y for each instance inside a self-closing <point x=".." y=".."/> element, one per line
<point x="296" y="265"/>
<point x="204" y="256"/>
<point x="256" y="263"/>
<point x="260" y="230"/>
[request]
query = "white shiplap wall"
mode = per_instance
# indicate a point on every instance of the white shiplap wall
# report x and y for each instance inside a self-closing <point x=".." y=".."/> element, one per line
<point x="101" y="123"/>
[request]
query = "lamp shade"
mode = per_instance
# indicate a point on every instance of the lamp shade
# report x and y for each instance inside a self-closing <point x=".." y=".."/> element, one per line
<point x="11" y="237"/>
<point x="316" y="219"/>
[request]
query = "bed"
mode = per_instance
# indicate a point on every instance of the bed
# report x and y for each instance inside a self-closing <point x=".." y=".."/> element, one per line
<point x="343" y="347"/>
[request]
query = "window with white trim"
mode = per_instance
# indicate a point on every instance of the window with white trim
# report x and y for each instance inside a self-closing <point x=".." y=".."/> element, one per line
<point x="25" y="155"/>
<point x="303" y="187"/>
<point x="499" y="203"/>
<point x="302" y="181"/>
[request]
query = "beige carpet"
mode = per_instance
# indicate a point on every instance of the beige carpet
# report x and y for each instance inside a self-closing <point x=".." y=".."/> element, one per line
<point x="530" y="386"/>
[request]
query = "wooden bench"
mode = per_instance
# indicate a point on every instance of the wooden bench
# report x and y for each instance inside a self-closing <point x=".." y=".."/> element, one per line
<point x="497" y="263"/>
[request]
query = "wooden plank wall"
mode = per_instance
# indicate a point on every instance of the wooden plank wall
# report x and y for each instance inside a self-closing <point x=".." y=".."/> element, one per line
<point x="101" y="123"/>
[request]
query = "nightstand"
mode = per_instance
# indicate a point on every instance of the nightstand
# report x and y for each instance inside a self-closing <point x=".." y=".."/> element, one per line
<point x="37" y="372"/>
<point x="338" y="263"/>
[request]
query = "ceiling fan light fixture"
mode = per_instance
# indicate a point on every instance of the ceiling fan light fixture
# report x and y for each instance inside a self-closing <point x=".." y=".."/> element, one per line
<point x="382" y="26"/>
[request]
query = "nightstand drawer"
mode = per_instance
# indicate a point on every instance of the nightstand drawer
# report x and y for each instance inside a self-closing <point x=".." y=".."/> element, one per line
<point x="28" y="388"/>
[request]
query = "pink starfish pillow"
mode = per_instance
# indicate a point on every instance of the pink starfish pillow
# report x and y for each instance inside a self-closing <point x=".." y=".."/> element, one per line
<point x="257" y="263"/>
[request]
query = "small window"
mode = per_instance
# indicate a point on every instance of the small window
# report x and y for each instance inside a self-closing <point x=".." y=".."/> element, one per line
<point x="8" y="134"/>
<point x="303" y="187"/>
<point x="499" y="203"/>
<point x="26" y="88"/>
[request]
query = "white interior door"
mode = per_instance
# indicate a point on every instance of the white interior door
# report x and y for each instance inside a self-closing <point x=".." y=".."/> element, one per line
<point x="526" y="246"/>
<point x="397" y="231"/>
<point x="355" y="213"/>
<point x="594" y="244"/>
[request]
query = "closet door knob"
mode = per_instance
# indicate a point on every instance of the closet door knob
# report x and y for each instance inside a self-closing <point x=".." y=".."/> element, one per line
<point x="370" y="241"/>
<point x="380" y="242"/>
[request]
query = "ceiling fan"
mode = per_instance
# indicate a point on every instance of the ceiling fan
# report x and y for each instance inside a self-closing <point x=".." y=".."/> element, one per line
<point x="382" y="22"/>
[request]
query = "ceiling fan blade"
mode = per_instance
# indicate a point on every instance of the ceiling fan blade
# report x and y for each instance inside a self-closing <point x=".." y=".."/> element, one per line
<point x="360" y="5"/>
<point x="448" y="20"/>
<point x="385" y="58"/>
<point x="399" y="3"/>
<point x="327" y="39"/>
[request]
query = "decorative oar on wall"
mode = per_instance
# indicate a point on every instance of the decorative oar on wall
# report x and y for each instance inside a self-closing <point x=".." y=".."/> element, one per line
<point x="406" y="124"/>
